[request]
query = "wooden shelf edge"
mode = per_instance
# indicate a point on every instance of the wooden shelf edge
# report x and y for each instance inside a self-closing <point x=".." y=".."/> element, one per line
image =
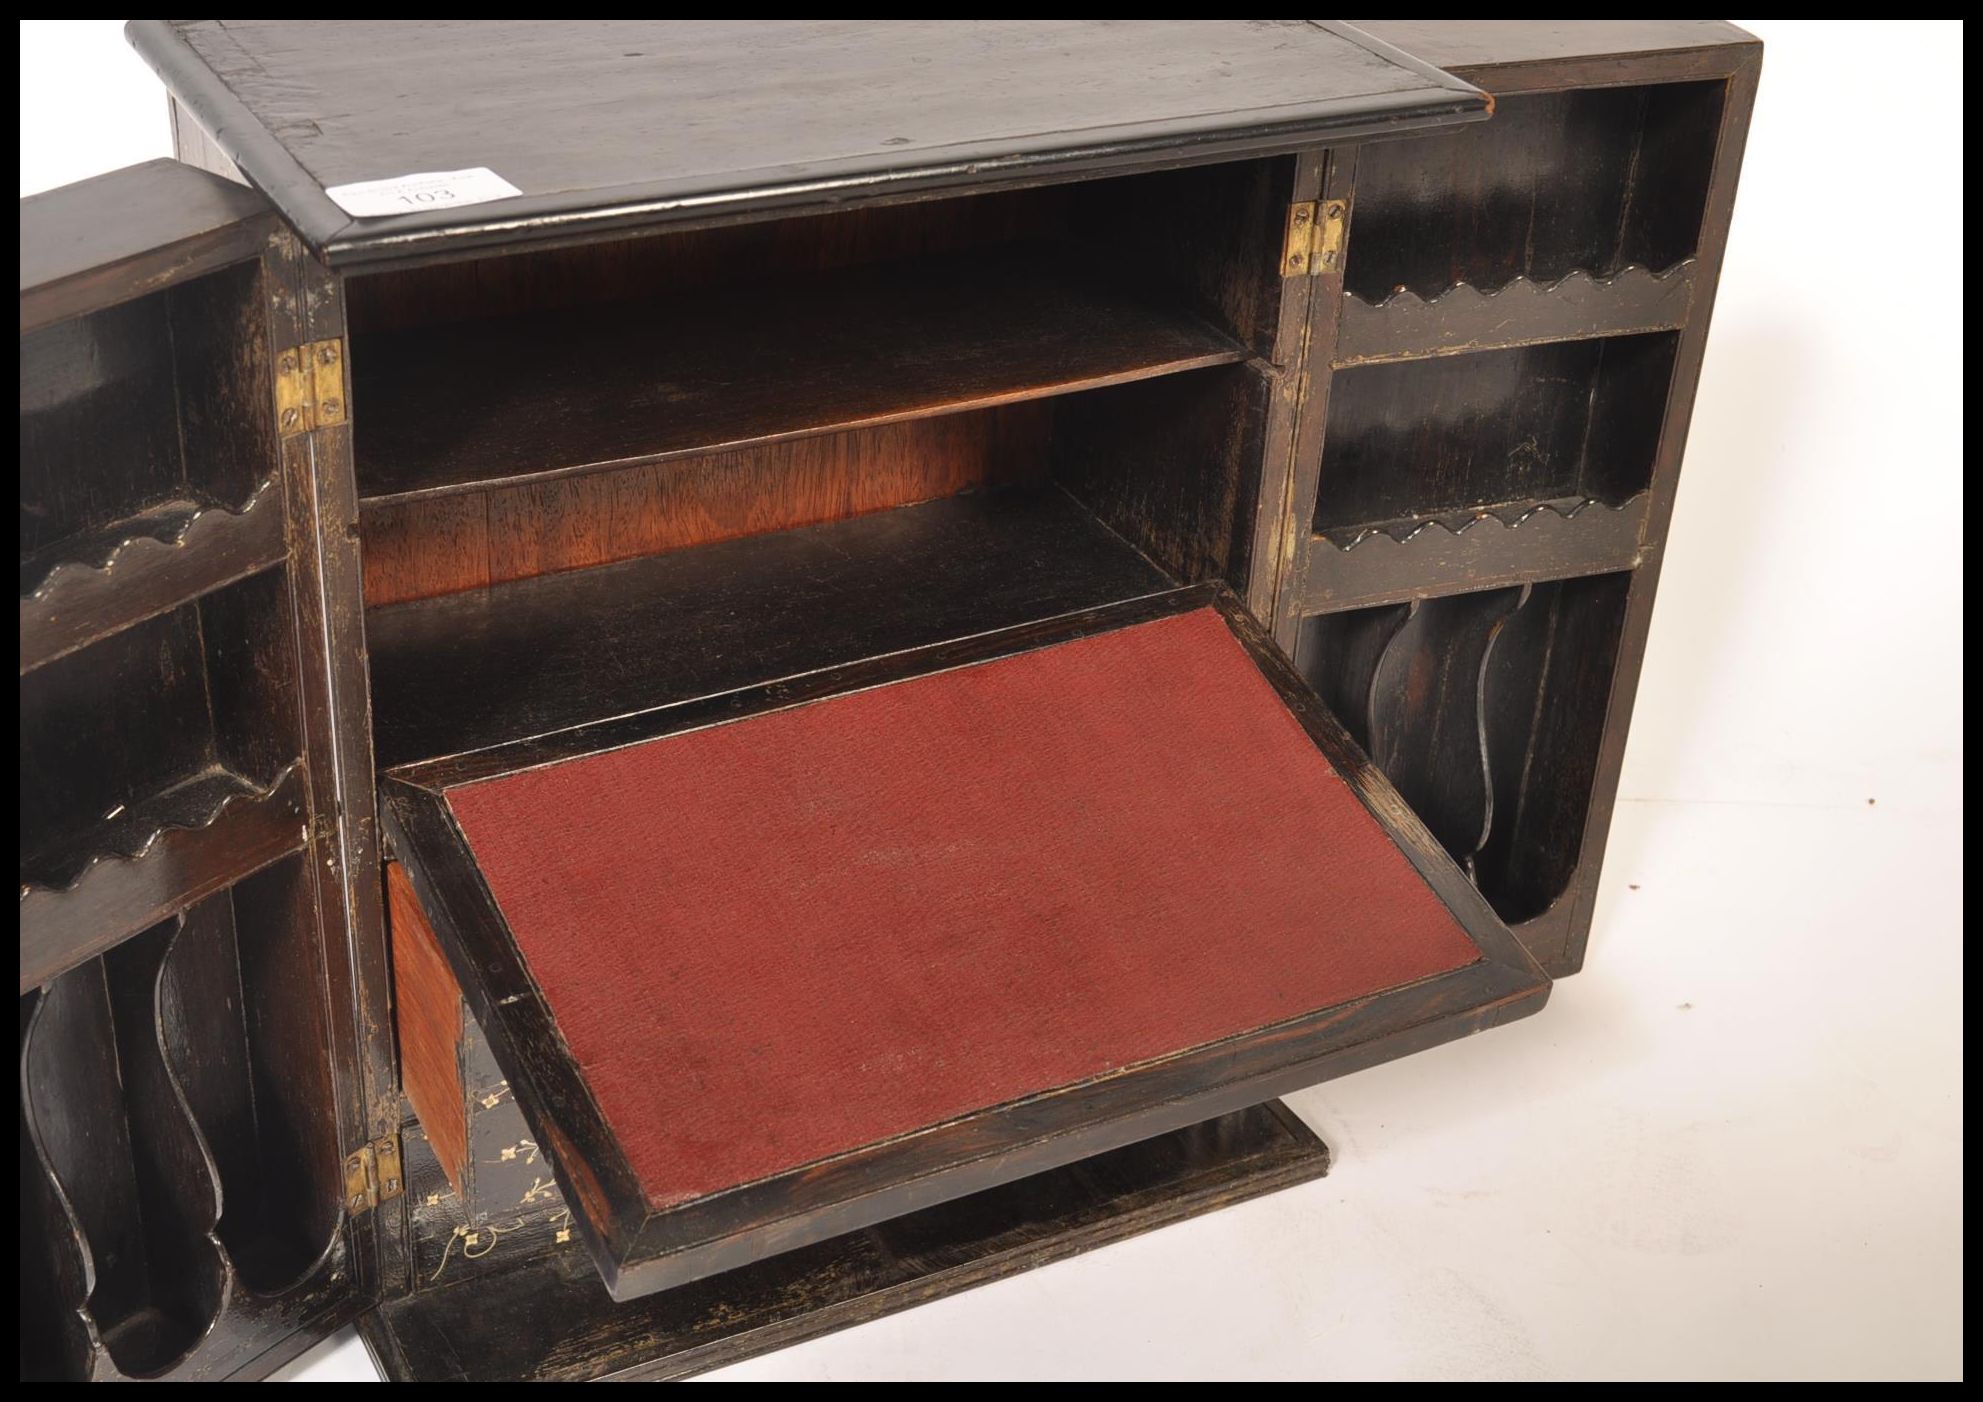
<point x="845" y="424"/>
<point x="1489" y="551"/>
<point x="147" y="564"/>
<point x="156" y="860"/>
<point x="1464" y="319"/>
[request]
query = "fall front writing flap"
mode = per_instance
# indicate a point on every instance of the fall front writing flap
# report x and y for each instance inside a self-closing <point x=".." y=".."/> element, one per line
<point x="785" y="962"/>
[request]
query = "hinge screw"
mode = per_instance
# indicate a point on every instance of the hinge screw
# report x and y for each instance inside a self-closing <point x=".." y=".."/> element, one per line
<point x="326" y="355"/>
<point x="1301" y="214"/>
<point x="288" y="363"/>
<point x="1295" y="260"/>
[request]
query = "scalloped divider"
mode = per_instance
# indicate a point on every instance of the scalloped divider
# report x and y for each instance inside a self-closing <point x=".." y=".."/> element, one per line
<point x="1487" y="710"/>
<point x="59" y="1341"/>
<point x="1407" y="326"/>
<point x="99" y="583"/>
<point x="162" y="527"/>
<point x="1507" y="515"/>
<point x="152" y="861"/>
<point x="1546" y="691"/>
<point x="243" y="1025"/>
<point x="1426" y="726"/>
<point x="105" y="1113"/>
<point x="1338" y="654"/>
<point x="1493" y="546"/>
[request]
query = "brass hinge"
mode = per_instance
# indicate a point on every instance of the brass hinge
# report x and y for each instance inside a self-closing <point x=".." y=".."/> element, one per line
<point x="1314" y="243"/>
<point x="309" y="387"/>
<point x="372" y="1176"/>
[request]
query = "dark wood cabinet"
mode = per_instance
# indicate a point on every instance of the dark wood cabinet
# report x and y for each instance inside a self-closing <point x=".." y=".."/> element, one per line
<point x="823" y="703"/>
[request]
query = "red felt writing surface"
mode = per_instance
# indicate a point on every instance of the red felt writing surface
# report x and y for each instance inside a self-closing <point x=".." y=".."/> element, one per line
<point x="773" y="941"/>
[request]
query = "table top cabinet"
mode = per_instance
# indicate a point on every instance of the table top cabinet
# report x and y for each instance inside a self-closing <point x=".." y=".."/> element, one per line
<point x="686" y="682"/>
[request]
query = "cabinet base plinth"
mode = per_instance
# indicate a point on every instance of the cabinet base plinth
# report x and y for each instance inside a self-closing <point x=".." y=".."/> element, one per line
<point x="549" y="1318"/>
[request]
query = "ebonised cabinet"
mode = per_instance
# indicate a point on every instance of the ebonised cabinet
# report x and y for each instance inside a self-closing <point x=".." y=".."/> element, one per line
<point x="823" y="703"/>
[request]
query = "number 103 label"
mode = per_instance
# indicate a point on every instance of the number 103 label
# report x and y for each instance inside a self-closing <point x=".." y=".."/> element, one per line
<point x="428" y="190"/>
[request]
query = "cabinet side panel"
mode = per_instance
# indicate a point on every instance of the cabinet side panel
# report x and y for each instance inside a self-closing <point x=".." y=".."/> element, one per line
<point x="427" y="1008"/>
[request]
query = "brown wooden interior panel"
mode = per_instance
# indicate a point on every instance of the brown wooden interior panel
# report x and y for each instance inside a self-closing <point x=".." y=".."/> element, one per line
<point x="427" y="1004"/>
<point x="1220" y="251"/>
<point x="423" y="548"/>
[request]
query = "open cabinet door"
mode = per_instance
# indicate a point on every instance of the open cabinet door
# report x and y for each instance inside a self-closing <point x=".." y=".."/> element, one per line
<point x="189" y="1086"/>
<point x="778" y="964"/>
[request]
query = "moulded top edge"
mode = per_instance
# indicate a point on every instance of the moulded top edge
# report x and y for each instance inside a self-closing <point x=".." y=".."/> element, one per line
<point x="608" y="125"/>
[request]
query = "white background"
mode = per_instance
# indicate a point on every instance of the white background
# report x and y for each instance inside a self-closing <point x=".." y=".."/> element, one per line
<point x="1733" y="1146"/>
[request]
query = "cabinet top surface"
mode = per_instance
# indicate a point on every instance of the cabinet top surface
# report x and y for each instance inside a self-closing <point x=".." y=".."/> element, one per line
<point x="607" y="124"/>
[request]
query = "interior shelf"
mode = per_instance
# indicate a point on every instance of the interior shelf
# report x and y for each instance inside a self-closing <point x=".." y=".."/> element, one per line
<point x="1508" y="543"/>
<point x="470" y="670"/>
<point x="546" y="393"/>
<point x="1493" y="432"/>
<point x="158" y="764"/>
<point x="149" y="860"/>
<point x="89" y="586"/>
<point x="1592" y="180"/>
<point x="1407" y="326"/>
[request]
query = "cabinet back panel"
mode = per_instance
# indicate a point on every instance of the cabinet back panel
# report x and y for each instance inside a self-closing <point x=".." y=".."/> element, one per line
<point x="1219" y="248"/>
<point x="694" y="260"/>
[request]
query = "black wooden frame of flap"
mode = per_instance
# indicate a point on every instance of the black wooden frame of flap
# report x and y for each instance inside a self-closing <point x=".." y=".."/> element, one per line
<point x="639" y="1251"/>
